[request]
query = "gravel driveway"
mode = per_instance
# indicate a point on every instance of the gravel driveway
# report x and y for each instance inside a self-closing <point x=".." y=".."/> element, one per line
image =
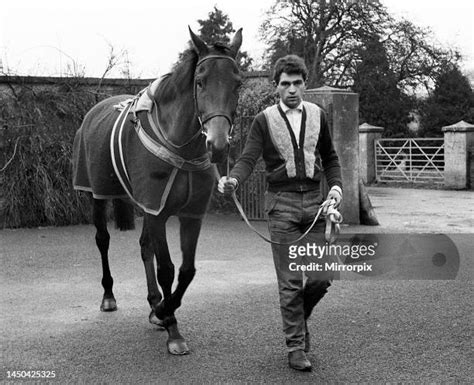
<point x="364" y="330"/>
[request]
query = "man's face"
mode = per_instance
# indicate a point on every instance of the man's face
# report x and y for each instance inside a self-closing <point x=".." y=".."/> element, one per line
<point x="291" y="88"/>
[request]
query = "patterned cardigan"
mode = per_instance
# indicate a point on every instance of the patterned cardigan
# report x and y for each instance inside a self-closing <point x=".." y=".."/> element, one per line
<point x="291" y="165"/>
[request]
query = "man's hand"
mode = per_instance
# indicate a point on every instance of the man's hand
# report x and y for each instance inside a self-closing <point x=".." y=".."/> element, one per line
<point x="227" y="185"/>
<point x="336" y="194"/>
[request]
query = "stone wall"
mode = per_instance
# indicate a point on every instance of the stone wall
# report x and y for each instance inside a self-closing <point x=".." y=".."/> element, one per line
<point x="471" y="168"/>
<point x="9" y="84"/>
<point x="458" y="139"/>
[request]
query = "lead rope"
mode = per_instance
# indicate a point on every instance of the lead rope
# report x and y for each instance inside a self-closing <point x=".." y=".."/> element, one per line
<point x="333" y="220"/>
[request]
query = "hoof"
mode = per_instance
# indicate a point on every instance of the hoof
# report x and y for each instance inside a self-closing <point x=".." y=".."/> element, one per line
<point x="156" y="321"/>
<point x="108" y="304"/>
<point x="177" y="347"/>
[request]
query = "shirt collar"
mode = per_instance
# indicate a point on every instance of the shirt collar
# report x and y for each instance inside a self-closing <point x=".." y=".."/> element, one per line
<point x="285" y="108"/>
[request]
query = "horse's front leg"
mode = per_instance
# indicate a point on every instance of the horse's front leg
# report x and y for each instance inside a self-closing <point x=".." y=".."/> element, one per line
<point x="190" y="229"/>
<point x="148" y="256"/>
<point x="189" y="234"/>
<point x="156" y="227"/>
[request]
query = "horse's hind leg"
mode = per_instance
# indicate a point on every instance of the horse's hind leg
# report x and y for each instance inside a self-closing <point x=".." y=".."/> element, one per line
<point x="102" y="238"/>
<point x="154" y="296"/>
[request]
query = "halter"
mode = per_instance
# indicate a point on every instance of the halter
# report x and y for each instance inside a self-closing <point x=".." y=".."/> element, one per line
<point x="202" y="119"/>
<point x="206" y="117"/>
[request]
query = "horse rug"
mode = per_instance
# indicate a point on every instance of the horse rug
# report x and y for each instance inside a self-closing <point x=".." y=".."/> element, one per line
<point x="115" y="157"/>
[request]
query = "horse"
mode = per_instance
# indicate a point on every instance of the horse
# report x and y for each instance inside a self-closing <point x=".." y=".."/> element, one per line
<point x="156" y="150"/>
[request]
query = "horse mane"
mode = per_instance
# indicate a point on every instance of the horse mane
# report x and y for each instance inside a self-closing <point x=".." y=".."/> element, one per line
<point x="181" y="77"/>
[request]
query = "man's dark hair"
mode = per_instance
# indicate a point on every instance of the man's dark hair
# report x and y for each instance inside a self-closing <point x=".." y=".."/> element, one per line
<point x="290" y="64"/>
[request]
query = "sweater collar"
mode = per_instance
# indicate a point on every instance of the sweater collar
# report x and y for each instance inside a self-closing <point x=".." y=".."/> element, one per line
<point x="285" y="108"/>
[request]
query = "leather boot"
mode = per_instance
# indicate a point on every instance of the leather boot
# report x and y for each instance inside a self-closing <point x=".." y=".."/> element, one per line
<point x="298" y="361"/>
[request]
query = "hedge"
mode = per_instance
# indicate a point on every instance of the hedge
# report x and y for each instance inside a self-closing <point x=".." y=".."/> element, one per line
<point x="38" y="128"/>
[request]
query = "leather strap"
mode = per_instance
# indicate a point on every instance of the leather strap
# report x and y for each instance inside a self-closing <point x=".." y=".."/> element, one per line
<point x="160" y="151"/>
<point x="203" y="118"/>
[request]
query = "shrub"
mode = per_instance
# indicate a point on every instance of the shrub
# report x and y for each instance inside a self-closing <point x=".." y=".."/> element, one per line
<point x="38" y="131"/>
<point x="39" y="125"/>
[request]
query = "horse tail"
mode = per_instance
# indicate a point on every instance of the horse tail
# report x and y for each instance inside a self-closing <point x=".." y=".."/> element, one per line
<point x="124" y="214"/>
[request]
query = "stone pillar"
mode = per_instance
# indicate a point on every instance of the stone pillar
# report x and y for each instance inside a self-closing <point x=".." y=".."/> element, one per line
<point x="3" y="160"/>
<point x="367" y="136"/>
<point x="342" y="108"/>
<point x="457" y="140"/>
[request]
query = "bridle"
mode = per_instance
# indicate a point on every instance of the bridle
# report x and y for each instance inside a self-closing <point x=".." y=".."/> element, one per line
<point x="203" y="118"/>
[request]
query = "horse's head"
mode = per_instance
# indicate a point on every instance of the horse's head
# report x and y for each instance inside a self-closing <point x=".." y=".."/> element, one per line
<point x="216" y="84"/>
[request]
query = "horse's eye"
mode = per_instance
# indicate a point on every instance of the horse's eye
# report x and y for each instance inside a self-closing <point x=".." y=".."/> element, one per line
<point x="199" y="83"/>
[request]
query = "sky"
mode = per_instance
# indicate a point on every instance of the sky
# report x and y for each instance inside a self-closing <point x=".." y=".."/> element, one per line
<point x="56" y="38"/>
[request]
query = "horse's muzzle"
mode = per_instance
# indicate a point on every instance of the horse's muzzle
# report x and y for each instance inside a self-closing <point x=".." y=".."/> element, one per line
<point x="217" y="138"/>
<point x="217" y="155"/>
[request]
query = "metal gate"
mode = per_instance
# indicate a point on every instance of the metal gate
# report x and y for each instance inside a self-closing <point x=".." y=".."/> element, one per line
<point x="414" y="160"/>
<point x="252" y="195"/>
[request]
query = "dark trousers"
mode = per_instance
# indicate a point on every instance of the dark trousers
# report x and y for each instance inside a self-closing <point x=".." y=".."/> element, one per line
<point x="289" y="216"/>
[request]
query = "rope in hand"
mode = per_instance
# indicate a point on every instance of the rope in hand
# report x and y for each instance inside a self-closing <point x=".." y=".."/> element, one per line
<point x="333" y="219"/>
<point x="327" y="208"/>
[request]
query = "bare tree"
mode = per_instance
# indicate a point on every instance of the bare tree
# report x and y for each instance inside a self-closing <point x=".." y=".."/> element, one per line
<point x="115" y="59"/>
<point x="330" y="35"/>
<point x="414" y="56"/>
<point x="326" y="33"/>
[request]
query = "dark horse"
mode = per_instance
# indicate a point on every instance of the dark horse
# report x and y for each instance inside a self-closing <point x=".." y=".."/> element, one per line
<point x="156" y="150"/>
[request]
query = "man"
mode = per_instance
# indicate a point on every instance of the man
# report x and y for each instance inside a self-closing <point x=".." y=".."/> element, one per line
<point x="294" y="140"/>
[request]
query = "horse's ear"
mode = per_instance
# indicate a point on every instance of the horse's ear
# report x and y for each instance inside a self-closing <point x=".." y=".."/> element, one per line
<point x="236" y="42"/>
<point x="199" y="46"/>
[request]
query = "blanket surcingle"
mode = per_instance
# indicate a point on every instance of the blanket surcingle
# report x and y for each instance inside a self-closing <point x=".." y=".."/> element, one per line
<point x="114" y="157"/>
